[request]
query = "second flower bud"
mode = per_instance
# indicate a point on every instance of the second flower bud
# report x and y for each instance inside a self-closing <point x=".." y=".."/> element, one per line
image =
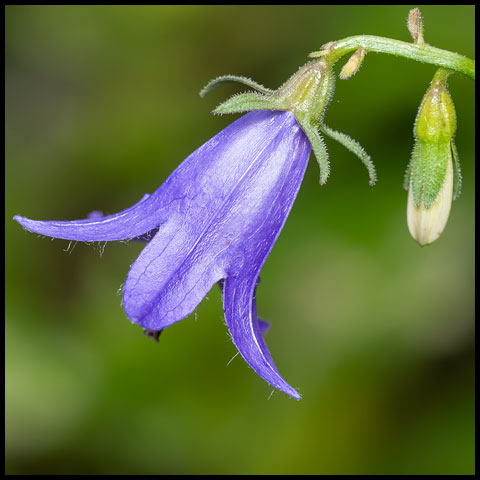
<point x="433" y="175"/>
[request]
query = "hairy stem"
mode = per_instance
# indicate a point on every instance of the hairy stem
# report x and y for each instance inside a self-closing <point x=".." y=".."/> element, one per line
<point x="421" y="53"/>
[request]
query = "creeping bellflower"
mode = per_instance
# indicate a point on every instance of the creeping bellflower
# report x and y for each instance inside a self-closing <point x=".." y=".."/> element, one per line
<point x="217" y="216"/>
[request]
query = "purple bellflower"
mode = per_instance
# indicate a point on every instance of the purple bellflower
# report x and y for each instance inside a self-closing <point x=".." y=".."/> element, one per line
<point x="217" y="216"/>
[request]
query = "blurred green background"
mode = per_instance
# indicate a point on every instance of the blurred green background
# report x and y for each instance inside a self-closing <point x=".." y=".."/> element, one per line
<point x="375" y="332"/>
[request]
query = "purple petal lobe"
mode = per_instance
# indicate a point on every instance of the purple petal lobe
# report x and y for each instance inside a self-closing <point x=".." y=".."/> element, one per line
<point x="263" y="326"/>
<point x="246" y="331"/>
<point x="268" y="213"/>
<point x="238" y="189"/>
<point x="166" y="282"/>
<point x="133" y="222"/>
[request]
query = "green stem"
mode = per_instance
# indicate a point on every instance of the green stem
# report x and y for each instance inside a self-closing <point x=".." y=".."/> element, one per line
<point x="441" y="75"/>
<point x="421" y="53"/>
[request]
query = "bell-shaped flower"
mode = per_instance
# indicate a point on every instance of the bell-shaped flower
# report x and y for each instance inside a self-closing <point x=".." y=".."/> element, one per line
<point x="217" y="216"/>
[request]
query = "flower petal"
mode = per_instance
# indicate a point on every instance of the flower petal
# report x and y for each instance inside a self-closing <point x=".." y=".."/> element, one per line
<point x="145" y="237"/>
<point x="165" y="283"/>
<point x="235" y="205"/>
<point x="260" y="235"/>
<point x="135" y="221"/>
<point x="246" y="330"/>
<point x="263" y="325"/>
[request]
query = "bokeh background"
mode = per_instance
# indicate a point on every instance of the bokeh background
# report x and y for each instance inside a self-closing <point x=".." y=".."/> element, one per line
<point x="375" y="332"/>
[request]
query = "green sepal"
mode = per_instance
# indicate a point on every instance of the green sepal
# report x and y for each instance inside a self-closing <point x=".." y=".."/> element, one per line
<point x="437" y="156"/>
<point x="415" y="170"/>
<point x="246" y="102"/>
<point x="428" y="168"/>
<point x="233" y="79"/>
<point x="352" y="145"/>
<point x="457" y="175"/>
<point x="318" y="147"/>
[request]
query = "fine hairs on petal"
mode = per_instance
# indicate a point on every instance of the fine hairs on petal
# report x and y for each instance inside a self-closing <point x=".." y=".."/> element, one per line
<point x="70" y="247"/>
<point x="100" y="247"/>
<point x="231" y="360"/>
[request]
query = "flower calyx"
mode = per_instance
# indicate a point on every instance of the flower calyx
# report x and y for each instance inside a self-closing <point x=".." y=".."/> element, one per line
<point x="306" y="94"/>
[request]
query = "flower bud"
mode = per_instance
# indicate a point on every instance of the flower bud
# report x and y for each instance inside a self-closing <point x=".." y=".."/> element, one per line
<point x="433" y="176"/>
<point x="415" y="26"/>
<point x="353" y="64"/>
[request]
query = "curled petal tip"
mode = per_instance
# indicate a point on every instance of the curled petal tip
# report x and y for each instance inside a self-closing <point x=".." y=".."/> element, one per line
<point x="246" y="330"/>
<point x="142" y="217"/>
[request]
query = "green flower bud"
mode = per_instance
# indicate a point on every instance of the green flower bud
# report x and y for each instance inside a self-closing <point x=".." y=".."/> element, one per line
<point x="433" y="176"/>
